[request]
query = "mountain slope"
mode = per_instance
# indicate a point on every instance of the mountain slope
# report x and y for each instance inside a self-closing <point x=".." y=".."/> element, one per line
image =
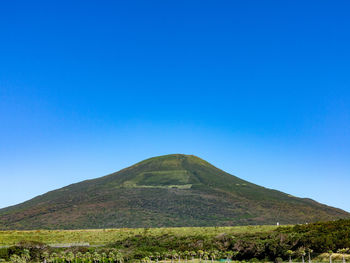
<point x="170" y="190"/>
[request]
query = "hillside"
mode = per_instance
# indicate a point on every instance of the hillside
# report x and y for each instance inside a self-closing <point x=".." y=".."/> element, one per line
<point x="165" y="191"/>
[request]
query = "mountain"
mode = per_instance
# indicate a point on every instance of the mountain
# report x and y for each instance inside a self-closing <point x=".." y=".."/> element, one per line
<point x="170" y="190"/>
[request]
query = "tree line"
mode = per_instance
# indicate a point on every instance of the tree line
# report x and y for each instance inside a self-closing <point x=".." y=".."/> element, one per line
<point x="173" y="256"/>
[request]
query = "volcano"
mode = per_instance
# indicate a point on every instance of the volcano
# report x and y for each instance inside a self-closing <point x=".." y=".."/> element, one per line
<point x="165" y="191"/>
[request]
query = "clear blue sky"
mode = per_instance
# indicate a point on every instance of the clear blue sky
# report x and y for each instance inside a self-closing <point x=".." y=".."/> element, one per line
<point x="260" y="89"/>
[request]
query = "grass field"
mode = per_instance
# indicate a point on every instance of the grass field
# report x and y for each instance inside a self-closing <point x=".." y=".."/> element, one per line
<point x="242" y="243"/>
<point x="105" y="236"/>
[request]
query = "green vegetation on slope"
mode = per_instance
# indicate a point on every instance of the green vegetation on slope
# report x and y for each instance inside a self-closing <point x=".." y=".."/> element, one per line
<point x="166" y="191"/>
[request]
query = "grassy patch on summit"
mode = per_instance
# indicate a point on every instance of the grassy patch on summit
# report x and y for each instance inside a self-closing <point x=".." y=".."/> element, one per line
<point x="161" y="178"/>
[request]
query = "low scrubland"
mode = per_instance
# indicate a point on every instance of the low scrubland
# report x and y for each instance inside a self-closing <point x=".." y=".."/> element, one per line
<point x="321" y="241"/>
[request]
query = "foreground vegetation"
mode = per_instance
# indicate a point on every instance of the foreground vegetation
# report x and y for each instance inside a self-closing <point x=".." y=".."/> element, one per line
<point x="320" y="241"/>
<point x="106" y="236"/>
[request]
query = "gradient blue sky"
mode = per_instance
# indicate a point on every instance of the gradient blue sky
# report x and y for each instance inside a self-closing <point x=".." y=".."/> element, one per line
<point x="260" y="89"/>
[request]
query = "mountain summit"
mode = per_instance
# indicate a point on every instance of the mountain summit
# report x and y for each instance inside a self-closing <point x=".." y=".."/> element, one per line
<point x="164" y="191"/>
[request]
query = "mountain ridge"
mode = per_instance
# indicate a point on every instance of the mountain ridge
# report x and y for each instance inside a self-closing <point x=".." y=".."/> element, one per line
<point x="164" y="191"/>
